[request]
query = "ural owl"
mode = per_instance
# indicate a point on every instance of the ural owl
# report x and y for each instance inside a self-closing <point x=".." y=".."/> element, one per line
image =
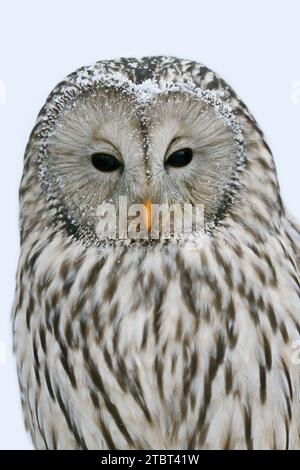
<point x="150" y="343"/>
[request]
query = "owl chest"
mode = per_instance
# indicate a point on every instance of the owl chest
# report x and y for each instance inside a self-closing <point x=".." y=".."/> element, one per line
<point x="177" y="388"/>
<point x="149" y="365"/>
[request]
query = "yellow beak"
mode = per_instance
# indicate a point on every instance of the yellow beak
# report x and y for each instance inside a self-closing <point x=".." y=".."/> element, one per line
<point x="147" y="215"/>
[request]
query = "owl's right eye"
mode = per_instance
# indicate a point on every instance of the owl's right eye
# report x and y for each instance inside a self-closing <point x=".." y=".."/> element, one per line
<point x="105" y="162"/>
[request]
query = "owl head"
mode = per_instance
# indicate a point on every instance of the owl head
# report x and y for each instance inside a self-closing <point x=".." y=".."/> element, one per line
<point x="158" y="130"/>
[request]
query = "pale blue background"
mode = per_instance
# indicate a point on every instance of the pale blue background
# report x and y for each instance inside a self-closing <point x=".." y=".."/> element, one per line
<point x="253" y="44"/>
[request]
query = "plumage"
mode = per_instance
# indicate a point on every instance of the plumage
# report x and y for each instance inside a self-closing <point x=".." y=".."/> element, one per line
<point x="153" y="345"/>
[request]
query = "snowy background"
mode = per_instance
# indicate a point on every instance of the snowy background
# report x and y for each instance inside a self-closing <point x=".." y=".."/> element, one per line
<point x="254" y="45"/>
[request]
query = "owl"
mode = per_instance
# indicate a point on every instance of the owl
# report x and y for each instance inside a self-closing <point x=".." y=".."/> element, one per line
<point x="179" y="342"/>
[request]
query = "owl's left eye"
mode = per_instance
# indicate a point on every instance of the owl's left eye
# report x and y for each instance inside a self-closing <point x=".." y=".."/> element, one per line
<point x="105" y="162"/>
<point x="180" y="158"/>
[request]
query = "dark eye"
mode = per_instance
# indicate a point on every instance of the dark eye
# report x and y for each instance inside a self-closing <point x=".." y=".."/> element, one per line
<point x="180" y="158"/>
<point x="105" y="162"/>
